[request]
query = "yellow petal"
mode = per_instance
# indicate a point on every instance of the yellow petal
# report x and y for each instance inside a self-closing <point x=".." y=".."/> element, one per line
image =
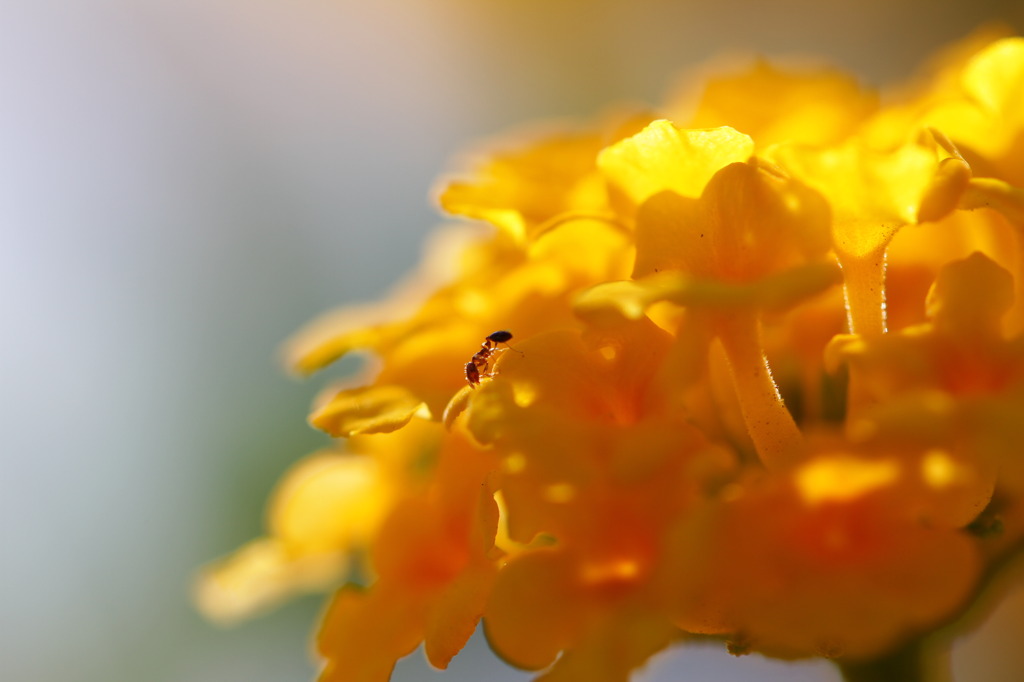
<point x="997" y="195"/>
<point x="665" y="157"/>
<point x="970" y="296"/>
<point x="751" y="220"/>
<point x="457" y="405"/>
<point x="839" y="478"/>
<point x="465" y="199"/>
<point x="943" y="194"/>
<point x="754" y="221"/>
<point x="519" y="190"/>
<point x="371" y="409"/>
<point x="261" y="575"/>
<point x="378" y="326"/>
<point x="995" y="76"/>
<point x="329" y="502"/>
<point x="330" y="337"/>
<point x="948" y="183"/>
<point x="872" y="194"/>
<point x="630" y="300"/>
<point x="612" y="301"/>
<point x="988" y="117"/>
<point x="665" y="227"/>
<point x="808" y="106"/>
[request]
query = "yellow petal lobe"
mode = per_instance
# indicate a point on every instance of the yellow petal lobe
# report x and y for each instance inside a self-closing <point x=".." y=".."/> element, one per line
<point x="372" y="409"/>
<point x="666" y="157"/>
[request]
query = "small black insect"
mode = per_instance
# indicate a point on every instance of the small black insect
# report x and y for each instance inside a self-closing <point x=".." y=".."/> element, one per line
<point x="477" y="368"/>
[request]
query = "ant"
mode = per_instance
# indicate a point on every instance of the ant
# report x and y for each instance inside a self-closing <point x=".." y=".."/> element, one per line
<point x="482" y="358"/>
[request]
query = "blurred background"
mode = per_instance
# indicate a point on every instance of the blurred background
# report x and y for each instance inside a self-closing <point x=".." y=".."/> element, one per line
<point x="183" y="183"/>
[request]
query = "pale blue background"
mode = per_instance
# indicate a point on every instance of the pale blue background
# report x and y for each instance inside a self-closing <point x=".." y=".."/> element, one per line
<point x="185" y="182"/>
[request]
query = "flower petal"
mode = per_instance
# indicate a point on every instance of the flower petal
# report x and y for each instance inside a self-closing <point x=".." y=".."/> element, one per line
<point x="518" y="191"/>
<point x="807" y="106"/>
<point x="332" y="336"/>
<point x="329" y="502"/>
<point x="631" y="299"/>
<point x="363" y="634"/>
<point x="455" y="614"/>
<point x="371" y="409"/>
<point x="665" y="157"/>
<point x="872" y="193"/>
<point x="997" y="195"/>
<point x="260" y="575"/>
<point x="535" y="610"/>
<point x="947" y="185"/>
<point x="613" y="647"/>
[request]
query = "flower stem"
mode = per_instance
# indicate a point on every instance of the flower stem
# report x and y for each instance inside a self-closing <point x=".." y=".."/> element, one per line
<point x="864" y="287"/>
<point x="770" y="425"/>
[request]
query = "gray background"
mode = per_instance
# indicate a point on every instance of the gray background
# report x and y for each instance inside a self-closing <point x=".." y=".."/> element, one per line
<point x="185" y="182"/>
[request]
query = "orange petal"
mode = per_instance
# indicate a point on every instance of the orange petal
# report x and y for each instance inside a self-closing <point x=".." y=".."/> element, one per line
<point x="363" y="634"/>
<point x="415" y="548"/>
<point x="455" y="613"/>
<point x="613" y="648"/>
<point x="535" y="610"/>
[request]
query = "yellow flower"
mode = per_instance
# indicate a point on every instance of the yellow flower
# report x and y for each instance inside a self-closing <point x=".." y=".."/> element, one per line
<point x="812" y="106"/>
<point x="750" y="223"/>
<point x="973" y="98"/>
<point x="872" y="195"/>
<point x="687" y="426"/>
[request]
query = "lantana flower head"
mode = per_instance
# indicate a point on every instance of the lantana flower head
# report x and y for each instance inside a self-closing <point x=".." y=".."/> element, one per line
<point x="698" y="417"/>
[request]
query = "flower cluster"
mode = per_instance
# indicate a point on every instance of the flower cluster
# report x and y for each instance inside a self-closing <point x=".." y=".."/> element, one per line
<point x="766" y="384"/>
